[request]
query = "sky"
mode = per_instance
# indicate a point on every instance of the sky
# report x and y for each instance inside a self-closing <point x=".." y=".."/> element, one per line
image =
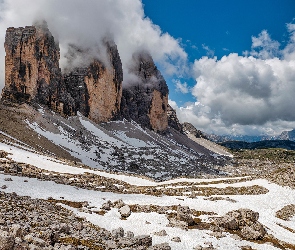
<point x="229" y="65"/>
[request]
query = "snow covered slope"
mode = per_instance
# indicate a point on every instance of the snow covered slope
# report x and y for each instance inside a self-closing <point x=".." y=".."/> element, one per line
<point x="268" y="202"/>
<point x="126" y="147"/>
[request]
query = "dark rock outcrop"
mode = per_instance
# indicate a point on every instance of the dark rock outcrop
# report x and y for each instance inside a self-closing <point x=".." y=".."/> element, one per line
<point x="173" y="121"/>
<point x="145" y="100"/>
<point x="188" y="128"/>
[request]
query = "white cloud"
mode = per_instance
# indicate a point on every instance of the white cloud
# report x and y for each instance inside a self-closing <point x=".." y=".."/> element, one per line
<point x="209" y="52"/>
<point x="246" y="93"/>
<point x="289" y="51"/>
<point x="201" y="117"/>
<point x="87" y="22"/>
<point x="264" y="47"/>
<point x="181" y="87"/>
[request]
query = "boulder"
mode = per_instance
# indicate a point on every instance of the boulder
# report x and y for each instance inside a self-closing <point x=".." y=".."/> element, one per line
<point x="243" y="220"/>
<point x="117" y="233"/>
<point x="253" y="232"/>
<point x="184" y="214"/>
<point x="125" y="211"/>
<point x="161" y="233"/>
<point x="16" y="230"/>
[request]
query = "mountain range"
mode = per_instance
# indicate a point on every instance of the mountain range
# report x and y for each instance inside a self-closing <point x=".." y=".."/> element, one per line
<point x="285" y="135"/>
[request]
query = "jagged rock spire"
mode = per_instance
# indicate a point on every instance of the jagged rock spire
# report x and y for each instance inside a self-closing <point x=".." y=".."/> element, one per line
<point x="145" y="100"/>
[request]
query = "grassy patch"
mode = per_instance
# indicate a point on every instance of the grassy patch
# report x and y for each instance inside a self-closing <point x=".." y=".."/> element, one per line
<point x="74" y="204"/>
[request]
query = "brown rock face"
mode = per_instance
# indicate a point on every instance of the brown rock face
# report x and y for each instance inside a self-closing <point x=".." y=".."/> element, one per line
<point x="145" y="100"/>
<point x="97" y="89"/>
<point x="32" y="70"/>
<point x="158" y="111"/>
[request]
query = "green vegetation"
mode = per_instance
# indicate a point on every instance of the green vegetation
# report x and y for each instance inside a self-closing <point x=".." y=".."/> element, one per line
<point x="275" y="155"/>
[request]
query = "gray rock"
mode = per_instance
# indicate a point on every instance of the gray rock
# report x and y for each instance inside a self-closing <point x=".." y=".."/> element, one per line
<point x="119" y="232"/>
<point x="184" y="214"/>
<point x="176" y="239"/>
<point x="244" y="220"/>
<point x="125" y="211"/>
<point x="253" y="232"/>
<point x="161" y="233"/>
<point x="143" y="240"/>
<point x="107" y="205"/>
<point x="16" y="230"/>
<point x="173" y="222"/>
<point x="35" y="241"/>
<point x="64" y="228"/>
<point x="129" y="234"/>
<point x="173" y="121"/>
<point x="119" y="203"/>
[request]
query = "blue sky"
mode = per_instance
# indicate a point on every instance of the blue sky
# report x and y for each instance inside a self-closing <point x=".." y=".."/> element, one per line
<point x="229" y="64"/>
<point x="216" y="27"/>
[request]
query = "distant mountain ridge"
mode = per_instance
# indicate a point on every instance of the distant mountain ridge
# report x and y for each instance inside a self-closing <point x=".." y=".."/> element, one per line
<point x="285" y="135"/>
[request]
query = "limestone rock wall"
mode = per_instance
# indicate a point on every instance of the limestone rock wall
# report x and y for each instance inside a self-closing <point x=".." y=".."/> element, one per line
<point x="97" y="89"/>
<point x="21" y="64"/>
<point x="104" y="95"/>
<point x="158" y="111"/>
<point x="32" y="70"/>
<point x="145" y="100"/>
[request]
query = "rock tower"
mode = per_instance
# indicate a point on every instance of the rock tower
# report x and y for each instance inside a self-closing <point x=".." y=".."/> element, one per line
<point x="145" y="100"/>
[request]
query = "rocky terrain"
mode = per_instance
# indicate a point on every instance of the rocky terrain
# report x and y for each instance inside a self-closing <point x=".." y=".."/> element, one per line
<point x="119" y="146"/>
<point x="74" y="207"/>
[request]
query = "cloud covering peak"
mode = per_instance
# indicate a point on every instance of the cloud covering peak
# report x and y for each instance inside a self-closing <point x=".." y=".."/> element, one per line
<point x="87" y="23"/>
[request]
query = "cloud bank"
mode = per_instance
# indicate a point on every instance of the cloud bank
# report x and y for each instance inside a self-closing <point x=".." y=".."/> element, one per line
<point x="249" y="94"/>
<point x="86" y="23"/>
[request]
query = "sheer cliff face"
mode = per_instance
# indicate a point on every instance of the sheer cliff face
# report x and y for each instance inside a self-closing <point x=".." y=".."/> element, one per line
<point x="145" y="100"/>
<point x="32" y="70"/>
<point x="97" y="89"/>
<point x="32" y="75"/>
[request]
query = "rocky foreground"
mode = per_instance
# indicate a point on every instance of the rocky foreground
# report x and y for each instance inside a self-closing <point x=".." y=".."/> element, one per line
<point x="62" y="222"/>
<point x="27" y="223"/>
